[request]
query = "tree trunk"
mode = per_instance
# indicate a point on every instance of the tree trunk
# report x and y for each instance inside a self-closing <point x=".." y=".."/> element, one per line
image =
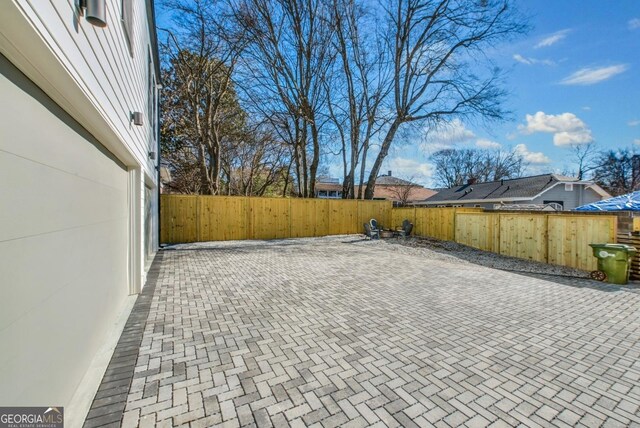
<point x="384" y="151"/>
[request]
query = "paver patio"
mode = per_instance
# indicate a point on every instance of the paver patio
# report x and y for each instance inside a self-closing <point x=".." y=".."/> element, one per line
<point x="327" y="332"/>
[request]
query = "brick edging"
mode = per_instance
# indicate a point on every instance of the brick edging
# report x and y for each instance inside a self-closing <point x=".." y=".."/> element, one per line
<point x="110" y="400"/>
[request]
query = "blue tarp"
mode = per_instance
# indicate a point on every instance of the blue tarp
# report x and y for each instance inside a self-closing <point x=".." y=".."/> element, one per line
<point x="628" y="202"/>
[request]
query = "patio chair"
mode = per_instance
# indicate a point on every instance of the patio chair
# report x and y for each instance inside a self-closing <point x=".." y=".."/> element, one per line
<point x="371" y="234"/>
<point x="375" y="227"/>
<point x="405" y="230"/>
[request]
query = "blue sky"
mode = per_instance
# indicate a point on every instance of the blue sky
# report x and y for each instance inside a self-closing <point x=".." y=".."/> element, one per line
<point x="574" y="78"/>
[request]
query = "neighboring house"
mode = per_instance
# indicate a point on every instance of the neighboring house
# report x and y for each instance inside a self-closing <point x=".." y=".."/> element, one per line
<point x="400" y="191"/>
<point x="387" y="187"/>
<point x="328" y="188"/>
<point x="534" y="192"/>
<point x="78" y="155"/>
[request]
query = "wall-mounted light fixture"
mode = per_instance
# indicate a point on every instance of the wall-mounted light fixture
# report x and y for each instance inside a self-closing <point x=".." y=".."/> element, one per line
<point x="95" y="12"/>
<point x="136" y="118"/>
<point x="152" y="155"/>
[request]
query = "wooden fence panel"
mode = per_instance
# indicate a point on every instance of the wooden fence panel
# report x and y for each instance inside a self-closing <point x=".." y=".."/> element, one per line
<point x="215" y="226"/>
<point x="478" y="230"/>
<point x="570" y="236"/>
<point x="179" y="218"/>
<point x="269" y="218"/>
<point x="398" y="215"/>
<point x="309" y="217"/>
<point x="524" y="236"/>
<point x="380" y="210"/>
<point x="440" y="223"/>
<point x="343" y="217"/>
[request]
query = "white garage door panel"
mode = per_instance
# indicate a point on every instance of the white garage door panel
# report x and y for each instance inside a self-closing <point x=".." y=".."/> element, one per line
<point x="40" y="199"/>
<point x="56" y="325"/>
<point x="64" y="235"/>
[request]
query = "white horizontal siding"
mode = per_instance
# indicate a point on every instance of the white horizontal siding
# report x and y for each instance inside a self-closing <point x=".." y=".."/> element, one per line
<point x="99" y="61"/>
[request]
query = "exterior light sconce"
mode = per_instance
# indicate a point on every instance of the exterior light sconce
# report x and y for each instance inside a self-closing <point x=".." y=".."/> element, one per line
<point x="136" y="118"/>
<point x="95" y="12"/>
<point x="152" y="155"/>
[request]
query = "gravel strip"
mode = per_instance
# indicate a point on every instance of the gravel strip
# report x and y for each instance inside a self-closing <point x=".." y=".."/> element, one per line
<point x="457" y="253"/>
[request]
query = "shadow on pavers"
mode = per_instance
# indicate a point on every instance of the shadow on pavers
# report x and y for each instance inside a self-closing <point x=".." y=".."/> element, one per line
<point x="632" y="286"/>
<point x="520" y="266"/>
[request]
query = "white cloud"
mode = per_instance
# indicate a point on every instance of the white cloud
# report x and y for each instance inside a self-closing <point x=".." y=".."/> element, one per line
<point x="635" y="122"/>
<point x="531" y="61"/>
<point x="537" y="158"/>
<point x="590" y="76"/>
<point x="552" y="39"/>
<point x="483" y="143"/>
<point x="566" y="128"/>
<point x="522" y="59"/>
<point x="586" y="108"/>
<point x="410" y="168"/>
<point x="637" y="141"/>
<point x="450" y="133"/>
<point x="575" y="137"/>
<point x="634" y="23"/>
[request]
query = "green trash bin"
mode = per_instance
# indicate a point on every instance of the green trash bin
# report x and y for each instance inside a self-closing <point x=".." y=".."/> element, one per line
<point x="614" y="260"/>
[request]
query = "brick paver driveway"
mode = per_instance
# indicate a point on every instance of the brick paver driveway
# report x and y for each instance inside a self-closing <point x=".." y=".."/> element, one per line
<point x="324" y="332"/>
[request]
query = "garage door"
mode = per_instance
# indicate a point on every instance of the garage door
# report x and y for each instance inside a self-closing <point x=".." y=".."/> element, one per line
<point x="63" y="245"/>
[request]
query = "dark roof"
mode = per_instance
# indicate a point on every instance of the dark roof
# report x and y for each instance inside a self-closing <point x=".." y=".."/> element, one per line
<point x="388" y="180"/>
<point x="524" y="187"/>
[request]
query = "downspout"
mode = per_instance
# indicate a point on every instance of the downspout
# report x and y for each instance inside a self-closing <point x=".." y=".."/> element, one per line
<point x="158" y="169"/>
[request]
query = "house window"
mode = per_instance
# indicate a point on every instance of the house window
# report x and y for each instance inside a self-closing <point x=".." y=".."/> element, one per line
<point x="322" y="193"/>
<point x="127" y="22"/>
<point x="568" y="187"/>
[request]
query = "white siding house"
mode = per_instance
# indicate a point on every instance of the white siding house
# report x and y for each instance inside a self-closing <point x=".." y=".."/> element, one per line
<point x="78" y="191"/>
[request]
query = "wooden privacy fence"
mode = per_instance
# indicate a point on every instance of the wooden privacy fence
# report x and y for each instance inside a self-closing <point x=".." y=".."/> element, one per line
<point x="439" y="223"/>
<point x="561" y="239"/>
<point x="557" y="238"/>
<point x="188" y="218"/>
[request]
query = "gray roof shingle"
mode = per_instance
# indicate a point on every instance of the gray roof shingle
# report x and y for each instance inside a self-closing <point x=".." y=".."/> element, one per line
<point x="524" y="187"/>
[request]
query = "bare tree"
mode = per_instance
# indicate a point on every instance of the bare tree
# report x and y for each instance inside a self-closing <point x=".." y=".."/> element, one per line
<point x="403" y="192"/>
<point x="457" y="167"/>
<point x="285" y="64"/>
<point x="200" y="54"/>
<point x="618" y="171"/>
<point x="253" y="164"/>
<point x="357" y="88"/>
<point x="584" y="156"/>
<point x="437" y="51"/>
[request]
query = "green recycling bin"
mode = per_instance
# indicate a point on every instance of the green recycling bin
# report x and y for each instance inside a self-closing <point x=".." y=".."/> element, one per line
<point x="614" y="260"/>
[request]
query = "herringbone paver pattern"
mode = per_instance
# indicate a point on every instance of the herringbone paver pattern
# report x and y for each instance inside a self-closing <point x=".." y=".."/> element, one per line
<point x="319" y="332"/>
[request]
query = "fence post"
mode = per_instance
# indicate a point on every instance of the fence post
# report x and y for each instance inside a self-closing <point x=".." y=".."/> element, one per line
<point x="547" y="237"/>
<point x="198" y="214"/>
<point x="290" y="217"/>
